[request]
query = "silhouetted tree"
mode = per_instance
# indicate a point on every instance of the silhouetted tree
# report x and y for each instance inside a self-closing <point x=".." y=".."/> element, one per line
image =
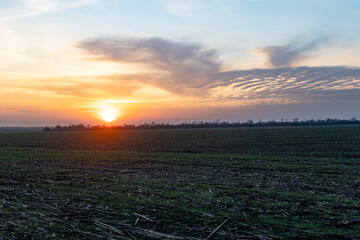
<point x="202" y="124"/>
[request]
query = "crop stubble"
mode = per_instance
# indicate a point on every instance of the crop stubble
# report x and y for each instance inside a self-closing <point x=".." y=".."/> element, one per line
<point x="250" y="183"/>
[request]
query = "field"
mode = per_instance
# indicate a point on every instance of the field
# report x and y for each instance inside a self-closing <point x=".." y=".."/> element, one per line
<point x="249" y="183"/>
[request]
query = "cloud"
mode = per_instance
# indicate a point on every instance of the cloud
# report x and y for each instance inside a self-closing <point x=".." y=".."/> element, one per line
<point x="186" y="67"/>
<point x="31" y="8"/>
<point x="288" y="85"/>
<point x="53" y="5"/>
<point x="191" y="70"/>
<point x="292" y="53"/>
<point x="97" y="87"/>
<point x="12" y="47"/>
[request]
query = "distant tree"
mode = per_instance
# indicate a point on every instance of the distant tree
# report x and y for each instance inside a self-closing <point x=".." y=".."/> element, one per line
<point x="202" y="124"/>
<point x="47" y="129"/>
<point x="249" y="122"/>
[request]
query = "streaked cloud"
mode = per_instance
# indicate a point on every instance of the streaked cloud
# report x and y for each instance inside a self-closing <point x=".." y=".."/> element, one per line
<point x="31" y="8"/>
<point x="184" y="67"/>
<point x="12" y="46"/>
<point x="183" y="74"/>
<point x="292" y="53"/>
<point x="192" y="70"/>
<point x="288" y="85"/>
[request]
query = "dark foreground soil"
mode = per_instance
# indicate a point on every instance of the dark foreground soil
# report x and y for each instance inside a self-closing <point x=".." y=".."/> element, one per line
<point x="256" y="183"/>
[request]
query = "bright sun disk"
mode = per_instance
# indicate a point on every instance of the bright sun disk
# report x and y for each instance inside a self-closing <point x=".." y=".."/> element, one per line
<point x="108" y="113"/>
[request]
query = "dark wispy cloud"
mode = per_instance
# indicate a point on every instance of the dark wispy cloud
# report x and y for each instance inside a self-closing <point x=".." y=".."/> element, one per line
<point x="284" y="85"/>
<point x="292" y="53"/>
<point x="187" y="67"/>
<point x="190" y="69"/>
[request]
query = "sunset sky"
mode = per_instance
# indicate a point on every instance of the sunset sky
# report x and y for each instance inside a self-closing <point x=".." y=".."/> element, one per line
<point x="90" y="61"/>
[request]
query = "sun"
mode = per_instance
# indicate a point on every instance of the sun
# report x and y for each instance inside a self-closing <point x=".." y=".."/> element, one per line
<point x="108" y="113"/>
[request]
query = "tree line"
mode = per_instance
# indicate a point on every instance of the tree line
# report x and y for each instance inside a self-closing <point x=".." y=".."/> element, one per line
<point x="204" y="124"/>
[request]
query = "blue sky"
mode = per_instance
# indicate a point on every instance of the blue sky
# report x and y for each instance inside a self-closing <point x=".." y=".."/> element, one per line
<point x="231" y="55"/>
<point x="232" y="27"/>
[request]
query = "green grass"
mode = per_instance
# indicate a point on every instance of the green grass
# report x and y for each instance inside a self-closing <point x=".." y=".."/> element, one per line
<point x="291" y="182"/>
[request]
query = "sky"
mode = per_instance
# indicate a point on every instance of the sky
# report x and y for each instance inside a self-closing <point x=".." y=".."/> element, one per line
<point x="118" y="61"/>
